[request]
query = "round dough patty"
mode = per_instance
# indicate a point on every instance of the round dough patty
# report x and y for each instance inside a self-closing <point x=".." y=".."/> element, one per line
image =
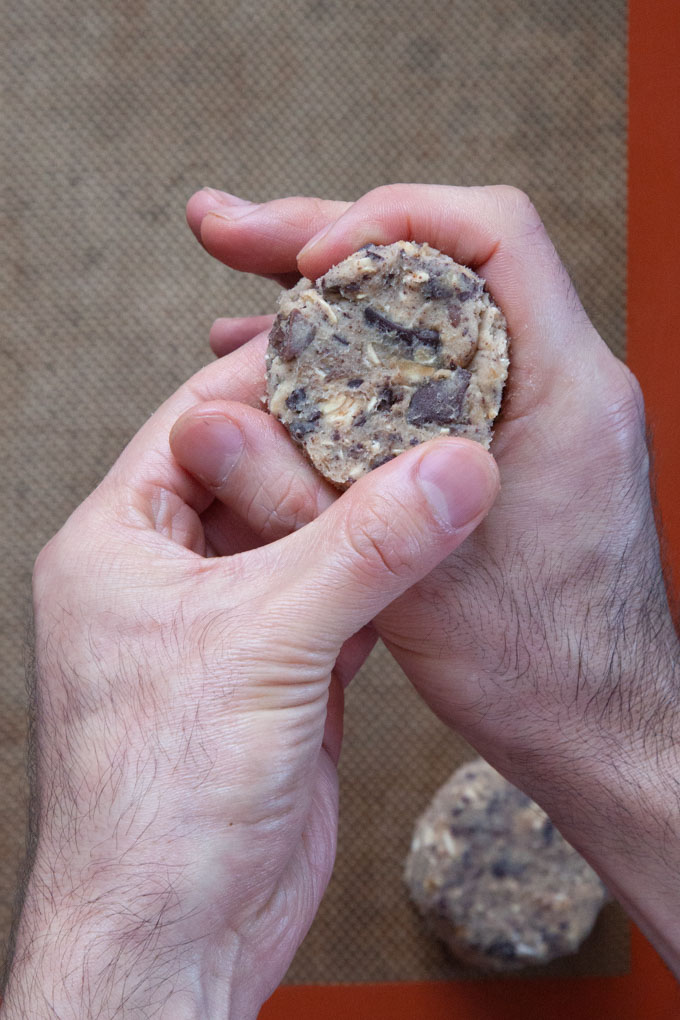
<point x="495" y="879"/>
<point x="393" y="346"/>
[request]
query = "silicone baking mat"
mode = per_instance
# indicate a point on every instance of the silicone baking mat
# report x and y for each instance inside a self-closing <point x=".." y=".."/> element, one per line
<point x="114" y="114"/>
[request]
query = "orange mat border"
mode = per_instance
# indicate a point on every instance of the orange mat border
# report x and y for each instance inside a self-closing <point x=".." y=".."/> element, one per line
<point x="648" y="992"/>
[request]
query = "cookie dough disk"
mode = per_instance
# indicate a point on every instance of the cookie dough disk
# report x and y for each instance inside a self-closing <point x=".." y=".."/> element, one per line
<point x="494" y="877"/>
<point x="393" y="346"/>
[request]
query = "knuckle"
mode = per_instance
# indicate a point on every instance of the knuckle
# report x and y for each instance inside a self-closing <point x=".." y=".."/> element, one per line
<point x="317" y="207"/>
<point x="290" y="508"/>
<point x="49" y="563"/>
<point x="378" y="544"/>
<point x="390" y="195"/>
<point x="516" y="209"/>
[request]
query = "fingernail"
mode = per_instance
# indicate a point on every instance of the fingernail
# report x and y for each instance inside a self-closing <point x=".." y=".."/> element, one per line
<point x="226" y="206"/>
<point x="216" y="450"/>
<point x="313" y="241"/>
<point x="223" y="197"/>
<point x="460" y="482"/>
<point x="233" y="212"/>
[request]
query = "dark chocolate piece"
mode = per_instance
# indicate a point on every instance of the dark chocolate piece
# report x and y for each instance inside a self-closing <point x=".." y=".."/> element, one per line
<point x="436" y="289"/>
<point x="429" y="337"/>
<point x="501" y="949"/>
<point x="291" y="338"/>
<point x="297" y="399"/>
<point x="440" y="400"/>
<point x="387" y="398"/>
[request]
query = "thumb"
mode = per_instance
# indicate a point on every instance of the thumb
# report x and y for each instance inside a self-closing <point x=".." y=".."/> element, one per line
<point x="384" y="534"/>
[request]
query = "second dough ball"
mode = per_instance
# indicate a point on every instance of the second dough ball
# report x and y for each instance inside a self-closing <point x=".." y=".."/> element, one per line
<point x="495" y="879"/>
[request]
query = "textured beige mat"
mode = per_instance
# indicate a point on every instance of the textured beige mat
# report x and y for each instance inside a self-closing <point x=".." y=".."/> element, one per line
<point x="113" y="113"/>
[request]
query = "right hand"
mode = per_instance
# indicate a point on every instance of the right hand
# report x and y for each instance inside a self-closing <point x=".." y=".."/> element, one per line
<point x="546" y="640"/>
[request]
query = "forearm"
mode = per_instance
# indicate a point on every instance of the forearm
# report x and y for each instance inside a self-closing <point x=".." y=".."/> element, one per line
<point x="118" y="950"/>
<point x="629" y="830"/>
<point x="614" y="790"/>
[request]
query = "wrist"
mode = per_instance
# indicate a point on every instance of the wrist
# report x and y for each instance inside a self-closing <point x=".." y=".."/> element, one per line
<point x="120" y="949"/>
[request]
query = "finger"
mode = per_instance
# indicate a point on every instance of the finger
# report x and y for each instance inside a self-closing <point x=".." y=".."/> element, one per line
<point x="245" y="459"/>
<point x="263" y="239"/>
<point x="227" y="334"/>
<point x="206" y="199"/>
<point x="146" y="481"/>
<point x="225" y="533"/>
<point x="379" y="538"/>
<point x="497" y="231"/>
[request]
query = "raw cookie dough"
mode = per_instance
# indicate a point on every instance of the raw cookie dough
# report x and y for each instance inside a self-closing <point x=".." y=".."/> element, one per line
<point x="495" y="879"/>
<point x="393" y="346"/>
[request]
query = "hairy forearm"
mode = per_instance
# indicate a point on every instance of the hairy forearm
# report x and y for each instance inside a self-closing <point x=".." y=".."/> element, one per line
<point x="114" y="952"/>
<point x="611" y="782"/>
<point x="626" y="822"/>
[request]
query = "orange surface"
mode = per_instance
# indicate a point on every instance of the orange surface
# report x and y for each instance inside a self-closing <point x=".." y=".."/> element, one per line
<point x="654" y="238"/>
<point x="649" y="992"/>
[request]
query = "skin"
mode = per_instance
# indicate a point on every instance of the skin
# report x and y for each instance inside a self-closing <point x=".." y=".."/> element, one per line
<point x="186" y="786"/>
<point x="188" y="711"/>
<point x="547" y="641"/>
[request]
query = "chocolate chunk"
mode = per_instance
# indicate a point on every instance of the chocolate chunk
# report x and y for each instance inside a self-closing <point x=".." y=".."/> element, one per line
<point x="297" y="399"/>
<point x="291" y="338"/>
<point x="360" y="419"/>
<point x="501" y="949"/>
<point x="340" y="339"/>
<point x="353" y="384"/>
<point x="430" y="337"/>
<point x="300" y="429"/>
<point x="385" y="325"/>
<point x="494" y="803"/>
<point x="469" y="290"/>
<point x="382" y="460"/>
<point x="387" y="398"/>
<point x="372" y="254"/>
<point x="439" y="401"/>
<point x="548" y="832"/>
<point x="506" y="867"/>
<point x="277" y="336"/>
<point x="437" y="289"/>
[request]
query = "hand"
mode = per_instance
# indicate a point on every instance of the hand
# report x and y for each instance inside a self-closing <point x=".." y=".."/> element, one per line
<point x="547" y="639"/>
<point x="189" y="706"/>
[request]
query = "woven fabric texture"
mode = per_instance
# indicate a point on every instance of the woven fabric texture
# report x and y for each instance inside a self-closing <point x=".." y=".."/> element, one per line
<point x="113" y="113"/>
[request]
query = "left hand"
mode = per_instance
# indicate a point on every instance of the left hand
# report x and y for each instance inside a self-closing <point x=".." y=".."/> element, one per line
<point x="189" y="704"/>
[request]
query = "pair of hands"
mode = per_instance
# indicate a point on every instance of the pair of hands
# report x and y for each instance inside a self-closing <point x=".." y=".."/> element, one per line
<point x="198" y="617"/>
